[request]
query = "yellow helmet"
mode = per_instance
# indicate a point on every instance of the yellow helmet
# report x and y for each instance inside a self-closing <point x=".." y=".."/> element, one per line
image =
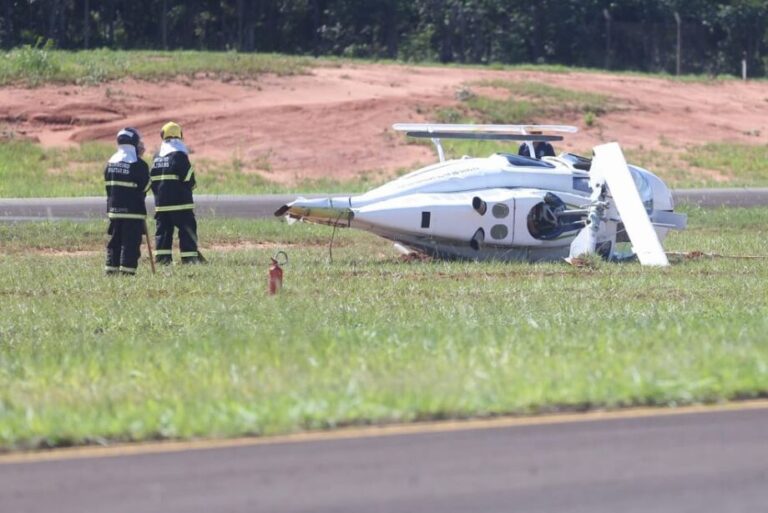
<point x="171" y="130"/>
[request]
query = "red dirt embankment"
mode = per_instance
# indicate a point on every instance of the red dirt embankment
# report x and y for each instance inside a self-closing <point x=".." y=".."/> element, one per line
<point x="335" y="122"/>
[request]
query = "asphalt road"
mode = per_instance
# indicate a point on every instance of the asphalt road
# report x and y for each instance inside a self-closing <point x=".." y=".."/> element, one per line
<point x="693" y="462"/>
<point x="89" y="207"/>
<point x="207" y="206"/>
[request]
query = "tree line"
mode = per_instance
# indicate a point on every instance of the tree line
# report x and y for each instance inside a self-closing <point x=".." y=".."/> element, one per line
<point x="688" y="36"/>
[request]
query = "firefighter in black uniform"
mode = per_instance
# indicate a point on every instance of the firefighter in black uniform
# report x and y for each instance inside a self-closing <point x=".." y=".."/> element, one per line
<point x="173" y="180"/>
<point x="127" y="182"/>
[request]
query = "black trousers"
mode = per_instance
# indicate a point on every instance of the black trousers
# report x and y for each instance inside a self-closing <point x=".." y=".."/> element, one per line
<point x="124" y="246"/>
<point x="184" y="221"/>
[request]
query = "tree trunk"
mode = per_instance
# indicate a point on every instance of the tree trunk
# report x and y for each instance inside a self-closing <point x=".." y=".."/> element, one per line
<point x="240" y="24"/>
<point x="110" y="22"/>
<point x="86" y="25"/>
<point x="8" y="40"/>
<point x="164" y="25"/>
<point x="316" y="23"/>
<point x="391" y="30"/>
<point x="537" y="39"/>
<point x="53" y="20"/>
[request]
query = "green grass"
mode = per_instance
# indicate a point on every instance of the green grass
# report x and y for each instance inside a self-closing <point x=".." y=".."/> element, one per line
<point x="557" y="98"/>
<point x="34" y="66"/>
<point x="745" y="165"/>
<point x="41" y="64"/>
<point x="26" y="169"/>
<point x="559" y="69"/>
<point x="29" y="170"/>
<point x="202" y="351"/>
<point x="708" y="165"/>
<point x="526" y="102"/>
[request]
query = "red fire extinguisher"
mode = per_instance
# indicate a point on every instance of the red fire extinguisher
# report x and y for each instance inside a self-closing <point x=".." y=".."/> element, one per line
<point x="276" y="272"/>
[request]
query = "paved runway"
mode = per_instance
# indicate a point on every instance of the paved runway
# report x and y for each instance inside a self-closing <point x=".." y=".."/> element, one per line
<point x="264" y="205"/>
<point x="691" y="462"/>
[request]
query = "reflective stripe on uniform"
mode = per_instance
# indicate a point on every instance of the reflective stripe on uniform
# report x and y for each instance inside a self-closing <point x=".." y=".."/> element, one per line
<point x="189" y="174"/>
<point x="118" y="183"/>
<point x="163" y="252"/>
<point x="187" y="254"/>
<point x="110" y="269"/>
<point x="172" y="208"/>
<point x="131" y="270"/>
<point x="149" y="186"/>
<point x="114" y="215"/>
<point x="157" y="178"/>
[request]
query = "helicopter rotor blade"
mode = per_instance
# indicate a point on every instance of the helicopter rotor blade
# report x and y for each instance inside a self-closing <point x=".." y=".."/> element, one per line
<point x="609" y="165"/>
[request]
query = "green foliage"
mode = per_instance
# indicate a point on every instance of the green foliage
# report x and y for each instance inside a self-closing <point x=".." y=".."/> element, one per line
<point x="202" y="351"/>
<point x="418" y="47"/>
<point x="643" y="35"/>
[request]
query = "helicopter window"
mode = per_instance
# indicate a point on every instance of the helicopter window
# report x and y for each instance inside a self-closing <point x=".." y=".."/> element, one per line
<point x="500" y="211"/>
<point x="425" y="219"/>
<point x="519" y="160"/>
<point x="581" y="183"/>
<point x="643" y="187"/>
<point x="577" y="161"/>
<point x="499" y="231"/>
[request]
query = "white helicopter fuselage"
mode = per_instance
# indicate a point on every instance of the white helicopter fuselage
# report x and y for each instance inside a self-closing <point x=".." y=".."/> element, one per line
<point x="501" y="207"/>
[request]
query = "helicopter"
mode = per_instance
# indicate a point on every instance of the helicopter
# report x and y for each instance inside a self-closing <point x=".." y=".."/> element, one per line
<point x="508" y="206"/>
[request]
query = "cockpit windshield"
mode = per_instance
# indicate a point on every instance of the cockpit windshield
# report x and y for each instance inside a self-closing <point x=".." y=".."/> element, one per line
<point x="577" y="161"/>
<point x="519" y="160"/>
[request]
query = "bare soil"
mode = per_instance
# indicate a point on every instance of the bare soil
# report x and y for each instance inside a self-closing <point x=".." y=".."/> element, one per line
<point x="336" y="121"/>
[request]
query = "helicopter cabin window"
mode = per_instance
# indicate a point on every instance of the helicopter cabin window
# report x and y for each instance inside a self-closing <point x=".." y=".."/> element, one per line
<point x="500" y="210"/>
<point x="426" y="217"/>
<point x="519" y="160"/>
<point x="577" y="161"/>
<point x="499" y="231"/>
<point x="581" y="183"/>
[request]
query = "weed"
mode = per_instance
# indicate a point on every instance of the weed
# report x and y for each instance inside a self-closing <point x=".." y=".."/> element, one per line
<point x="32" y="64"/>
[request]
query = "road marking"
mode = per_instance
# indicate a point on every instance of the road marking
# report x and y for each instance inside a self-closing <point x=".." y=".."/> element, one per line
<point x="112" y="451"/>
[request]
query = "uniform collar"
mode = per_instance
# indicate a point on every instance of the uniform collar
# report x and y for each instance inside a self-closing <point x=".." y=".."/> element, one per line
<point x="172" y="145"/>
<point x="124" y="153"/>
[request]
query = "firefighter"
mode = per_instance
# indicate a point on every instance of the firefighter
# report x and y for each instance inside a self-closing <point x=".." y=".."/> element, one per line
<point x="127" y="182"/>
<point x="173" y="180"/>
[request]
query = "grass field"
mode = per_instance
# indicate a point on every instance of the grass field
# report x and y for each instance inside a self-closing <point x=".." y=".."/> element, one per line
<point x="34" y="66"/>
<point x="29" y="170"/>
<point x="41" y="64"/>
<point x="202" y="351"/>
<point x="525" y="102"/>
